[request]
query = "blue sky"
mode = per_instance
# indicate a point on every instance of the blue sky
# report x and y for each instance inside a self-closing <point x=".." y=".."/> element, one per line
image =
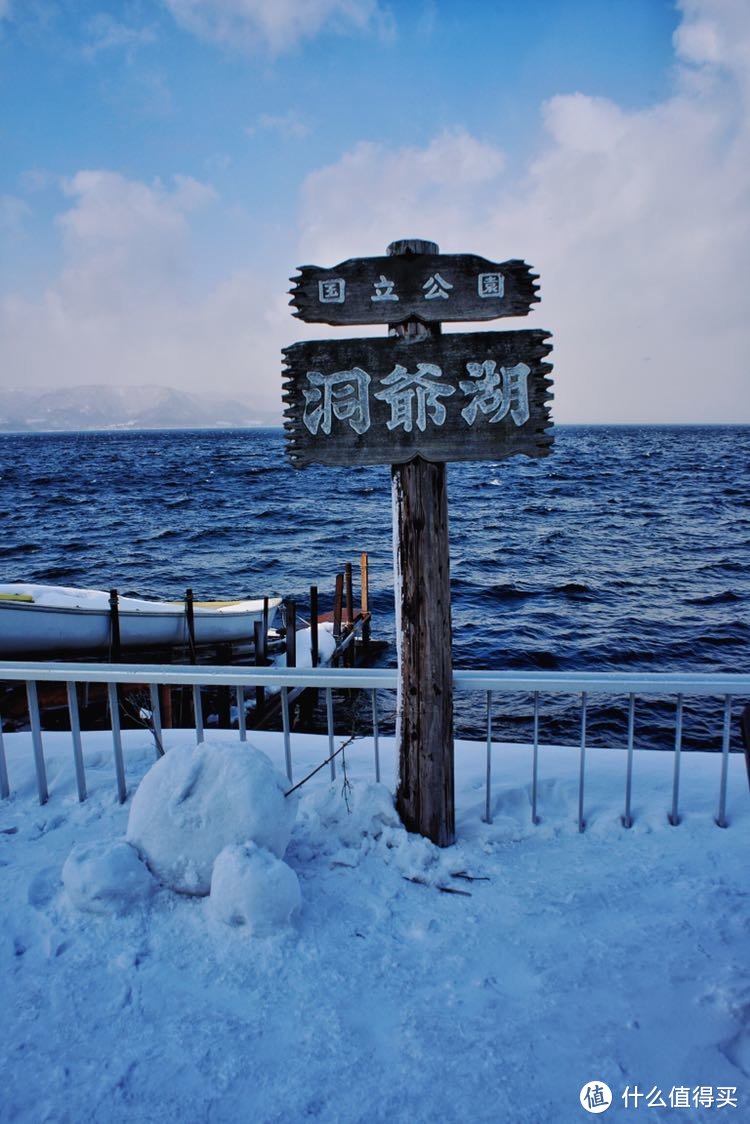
<point x="166" y="165"/>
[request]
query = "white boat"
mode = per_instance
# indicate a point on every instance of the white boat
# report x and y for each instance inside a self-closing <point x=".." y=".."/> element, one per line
<point x="42" y="619"/>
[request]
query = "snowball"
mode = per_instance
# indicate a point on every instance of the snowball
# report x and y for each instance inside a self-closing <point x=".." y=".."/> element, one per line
<point x="197" y="800"/>
<point x="106" y="879"/>
<point x="253" y="889"/>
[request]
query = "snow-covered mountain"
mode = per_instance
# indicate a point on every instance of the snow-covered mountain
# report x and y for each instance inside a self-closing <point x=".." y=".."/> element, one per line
<point x="118" y="407"/>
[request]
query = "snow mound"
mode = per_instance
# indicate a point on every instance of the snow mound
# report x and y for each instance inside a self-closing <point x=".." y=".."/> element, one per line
<point x="254" y="890"/>
<point x="108" y="879"/>
<point x="197" y="800"/>
<point x="365" y="814"/>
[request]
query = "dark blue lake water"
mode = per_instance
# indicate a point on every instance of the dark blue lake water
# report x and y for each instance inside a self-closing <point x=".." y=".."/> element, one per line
<point x="627" y="549"/>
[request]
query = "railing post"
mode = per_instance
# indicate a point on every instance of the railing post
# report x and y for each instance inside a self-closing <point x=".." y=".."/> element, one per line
<point x="4" y="782"/>
<point x="36" y="737"/>
<point x="156" y="721"/>
<point x="75" y="731"/>
<point x="329" y="723"/>
<point x="535" y="761"/>
<point x="721" y="819"/>
<point x="582" y="767"/>
<point x="241" y="717"/>
<point x="673" y="816"/>
<point x="287" y="732"/>
<point x="488" y="769"/>
<point x="114" y="716"/>
<point x="627" y="819"/>
<point x="198" y="713"/>
<point x="376" y="734"/>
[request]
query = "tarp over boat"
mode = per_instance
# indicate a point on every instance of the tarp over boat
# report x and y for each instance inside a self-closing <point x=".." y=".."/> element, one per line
<point x="37" y="619"/>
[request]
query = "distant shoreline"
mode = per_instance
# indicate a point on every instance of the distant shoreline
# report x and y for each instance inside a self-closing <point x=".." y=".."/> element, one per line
<point x="263" y="427"/>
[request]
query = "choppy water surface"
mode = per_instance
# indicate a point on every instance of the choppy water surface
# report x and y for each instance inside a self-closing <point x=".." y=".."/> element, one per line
<point x="626" y="549"/>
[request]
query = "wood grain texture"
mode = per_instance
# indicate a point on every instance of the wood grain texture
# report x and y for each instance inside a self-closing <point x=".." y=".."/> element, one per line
<point x="435" y="407"/>
<point x="425" y="792"/>
<point x="428" y="287"/>
<point x="421" y="563"/>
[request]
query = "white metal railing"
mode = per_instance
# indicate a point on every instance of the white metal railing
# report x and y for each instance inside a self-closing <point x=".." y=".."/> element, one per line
<point x="291" y="681"/>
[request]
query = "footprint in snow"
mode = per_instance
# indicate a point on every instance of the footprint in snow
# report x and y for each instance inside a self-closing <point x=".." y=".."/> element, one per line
<point x="43" y="887"/>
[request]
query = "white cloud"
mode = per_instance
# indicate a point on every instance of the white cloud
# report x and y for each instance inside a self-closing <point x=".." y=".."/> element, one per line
<point x="288" y="125"/>
<point x="124" y="310"/>
<point x="714" y="32"/>
<point x="637" y="222"/>
<point x="13" y="212"/>
<point x="375" y="194"/>
<point x="106" y="33"/>
<point x="124" y="238"/>
<point x="278" y="26"/>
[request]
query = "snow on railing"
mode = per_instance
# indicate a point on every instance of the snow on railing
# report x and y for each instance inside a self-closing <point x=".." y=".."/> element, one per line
<point x="290" y="681"/>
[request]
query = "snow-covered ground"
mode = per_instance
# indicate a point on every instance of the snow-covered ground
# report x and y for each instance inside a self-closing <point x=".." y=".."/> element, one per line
<point x="567" y="961"/>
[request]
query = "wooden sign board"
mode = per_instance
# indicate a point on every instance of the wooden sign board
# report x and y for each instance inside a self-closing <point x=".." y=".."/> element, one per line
<point x="461" y="397"/>
<point x="428" y="287"/>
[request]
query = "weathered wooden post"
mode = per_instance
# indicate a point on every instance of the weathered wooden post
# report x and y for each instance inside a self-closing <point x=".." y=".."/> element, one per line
<point x="415" y="401"/>
<point x="421" y="565"/>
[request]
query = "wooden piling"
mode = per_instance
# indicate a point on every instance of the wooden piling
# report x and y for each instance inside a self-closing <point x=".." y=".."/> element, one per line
<point x="114" y="614"/>
<point x="338" y="598"/>
<point x="291" y="633"/>
<point x="314" y="639"/>
<point x="259" y="637"/>
<point x="310" y="696"/>
<point x="190" y="617"/>
<point x="364" y="585"/>
<point x="165" y="705"/>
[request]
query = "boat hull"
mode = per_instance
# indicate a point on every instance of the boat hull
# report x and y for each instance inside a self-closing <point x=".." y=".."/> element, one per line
<point x="31" y="629"/>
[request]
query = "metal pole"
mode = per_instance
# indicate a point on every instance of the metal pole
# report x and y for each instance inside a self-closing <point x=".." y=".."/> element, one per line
<point x="156" y="719"/>
<point x="114" y="716"/>
<point x="488" y="769"/>
<point x="241" y="717"/>
<point x="627" y="819"/>
<point x="287" y="734"/>
<point x="36" y="738"/>
<point x="721" y="819"/>
<point x="673" y="816"/>
<point x="198" y="712"/>
<point x="329" y="721"/>
<point x="535" y="764"/>
<point x="376" y="734"/>
<point x="75" y="730"/>
<point x="4" y="782"/>
<point x="581" y="821"/>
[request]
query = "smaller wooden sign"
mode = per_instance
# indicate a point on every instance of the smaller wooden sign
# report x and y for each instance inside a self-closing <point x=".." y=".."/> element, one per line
<point x="459" y="397"/>
<point x="429" y="287"/>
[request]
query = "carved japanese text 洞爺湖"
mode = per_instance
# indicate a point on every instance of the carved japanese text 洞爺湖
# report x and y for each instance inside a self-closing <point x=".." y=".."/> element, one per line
<point x="468" y="396"/>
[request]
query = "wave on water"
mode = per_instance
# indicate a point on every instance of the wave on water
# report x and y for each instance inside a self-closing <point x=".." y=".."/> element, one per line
<point x="726" y="597"/>
<point x="619" y="551"/>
